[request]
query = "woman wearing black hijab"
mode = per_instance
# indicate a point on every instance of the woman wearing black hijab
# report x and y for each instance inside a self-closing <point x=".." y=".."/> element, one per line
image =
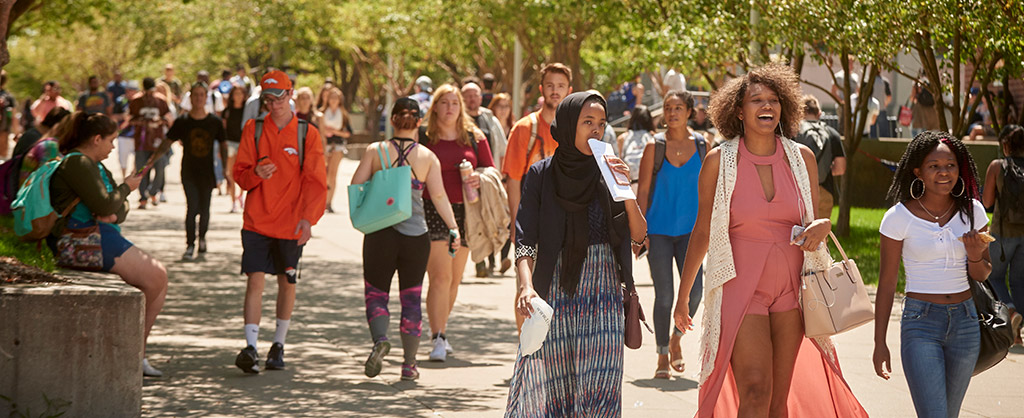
<point x="573" y="249"/>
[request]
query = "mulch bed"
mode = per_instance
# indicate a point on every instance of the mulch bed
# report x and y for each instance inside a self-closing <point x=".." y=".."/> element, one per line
<point x="13" y="271"/>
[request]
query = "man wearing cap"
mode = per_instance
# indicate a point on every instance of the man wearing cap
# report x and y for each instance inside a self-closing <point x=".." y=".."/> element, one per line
<point x="149" y="115"/>
<point x="287" y="185"/>
<point x="424" y="86"/>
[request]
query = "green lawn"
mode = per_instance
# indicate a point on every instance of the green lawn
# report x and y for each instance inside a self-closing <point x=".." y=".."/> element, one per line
<point x="28" y="253"/>
<point x="862" y="244"/>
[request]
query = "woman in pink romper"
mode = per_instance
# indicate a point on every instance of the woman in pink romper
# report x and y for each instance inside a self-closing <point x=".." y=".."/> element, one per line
<point x="759" y="363"/>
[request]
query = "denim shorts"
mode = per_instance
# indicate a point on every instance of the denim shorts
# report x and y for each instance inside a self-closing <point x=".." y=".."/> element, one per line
<point x="939" y="346"/>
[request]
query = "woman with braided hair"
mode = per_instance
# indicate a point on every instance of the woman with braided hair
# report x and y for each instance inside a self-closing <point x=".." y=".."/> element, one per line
<point x="937" y="226"/>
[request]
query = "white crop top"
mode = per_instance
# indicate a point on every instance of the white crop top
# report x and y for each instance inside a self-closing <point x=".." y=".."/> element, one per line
<point x="934" y="259"/>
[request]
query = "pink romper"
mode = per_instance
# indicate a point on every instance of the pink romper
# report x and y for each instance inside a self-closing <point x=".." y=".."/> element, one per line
<point x="768" y="281"/>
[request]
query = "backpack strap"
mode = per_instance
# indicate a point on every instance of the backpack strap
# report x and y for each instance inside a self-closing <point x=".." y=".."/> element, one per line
<point x="303" y="129"/>
<point x="533" y="141"/>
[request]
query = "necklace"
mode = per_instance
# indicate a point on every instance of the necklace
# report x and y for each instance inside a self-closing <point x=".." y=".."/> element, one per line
<point x="932" y="215"/>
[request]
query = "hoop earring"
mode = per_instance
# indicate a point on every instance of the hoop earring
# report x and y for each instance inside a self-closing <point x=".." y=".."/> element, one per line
<point x="963" y="187"/>
<point x="916" y="179"/>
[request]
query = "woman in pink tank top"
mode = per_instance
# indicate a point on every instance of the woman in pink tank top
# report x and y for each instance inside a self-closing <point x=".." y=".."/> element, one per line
<point x="760" y="362"/>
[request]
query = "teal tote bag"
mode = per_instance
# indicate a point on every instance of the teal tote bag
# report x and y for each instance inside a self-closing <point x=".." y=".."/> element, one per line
<point x="383" y="201"/>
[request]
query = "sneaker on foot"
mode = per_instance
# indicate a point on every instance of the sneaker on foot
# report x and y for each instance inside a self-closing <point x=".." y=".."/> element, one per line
<point x="142" y="204"/>
<point x="505" y="265"/>
<point x="189" y="253"/>
<point x="275" y="358"/>
<point x="248" y="360"/>
<point x="202" y="245"/>
<point x="439" y="353"/>
<point x="409" y="372"/>
<point x="448" y="346"/>
<point x="151" y="371"/>
<point x="153" y="200"/>
<point x="376" y="360"/>
<point x="163" y="199"/>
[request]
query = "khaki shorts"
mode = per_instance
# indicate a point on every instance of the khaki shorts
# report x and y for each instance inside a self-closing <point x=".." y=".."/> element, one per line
<point x="825" y="203"/>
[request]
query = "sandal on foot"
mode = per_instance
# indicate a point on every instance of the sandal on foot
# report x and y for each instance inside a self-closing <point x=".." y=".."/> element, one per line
<point x="663" y="374"/>
<point x="678" y="365"/>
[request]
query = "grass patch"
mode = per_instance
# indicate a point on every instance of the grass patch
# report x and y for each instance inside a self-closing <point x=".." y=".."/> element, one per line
<point x="862" y="244"/>
<point x="26" y="252"/>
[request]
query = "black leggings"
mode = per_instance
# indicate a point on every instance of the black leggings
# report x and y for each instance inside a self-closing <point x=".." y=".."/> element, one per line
<point x="197" y="198"/>
<point x="384" y="252"/>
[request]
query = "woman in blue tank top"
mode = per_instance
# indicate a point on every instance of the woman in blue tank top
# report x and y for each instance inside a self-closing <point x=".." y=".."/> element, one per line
<point x="667" y="194"/>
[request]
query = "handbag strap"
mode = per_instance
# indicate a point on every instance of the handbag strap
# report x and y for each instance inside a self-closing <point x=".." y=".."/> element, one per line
<point x="838" y="246"/>
<point x="384" y="163"/>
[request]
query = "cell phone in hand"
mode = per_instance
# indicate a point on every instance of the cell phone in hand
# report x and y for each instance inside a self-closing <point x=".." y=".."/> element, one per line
<point x="451" y="244"/>
<point x="642" y="253"/>
<point x="620" y="178"/>
<point x="797" y="230"/>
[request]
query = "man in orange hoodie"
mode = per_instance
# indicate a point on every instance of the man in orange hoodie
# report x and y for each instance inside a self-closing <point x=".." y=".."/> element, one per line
<point x="287" y="185"/>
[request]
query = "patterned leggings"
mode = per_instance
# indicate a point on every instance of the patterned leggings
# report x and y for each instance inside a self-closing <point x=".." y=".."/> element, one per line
<point x="384" y="252"/>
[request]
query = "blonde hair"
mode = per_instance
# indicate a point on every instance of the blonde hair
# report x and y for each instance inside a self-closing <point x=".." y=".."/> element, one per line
<point x="168" y="93"/>
<point x="463" y="123"/>
<point x="305" y="91"/>
<point x="341" y="103"/>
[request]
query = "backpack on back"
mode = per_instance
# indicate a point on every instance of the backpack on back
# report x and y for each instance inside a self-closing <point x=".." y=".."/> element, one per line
<point x="1011" y="196"/>
<point x="303" y="128"/>
<point x="34" y="215"/>
<point x="816" y="137"/>
<point x="10" y="172"/>
<point x="659" y="158"/>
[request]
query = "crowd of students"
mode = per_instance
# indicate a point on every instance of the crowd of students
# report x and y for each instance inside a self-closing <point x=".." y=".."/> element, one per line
<point x="483" y="184"/>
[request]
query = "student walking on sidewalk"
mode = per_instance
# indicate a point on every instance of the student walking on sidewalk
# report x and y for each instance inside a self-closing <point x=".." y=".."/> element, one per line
<point x="404" y="247"/>
<point x="197" y="130"/>
<point x="281" y="165"/>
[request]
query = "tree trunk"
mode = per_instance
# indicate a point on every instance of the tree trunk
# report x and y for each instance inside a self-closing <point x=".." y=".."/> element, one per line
<point x="843" y="221"/>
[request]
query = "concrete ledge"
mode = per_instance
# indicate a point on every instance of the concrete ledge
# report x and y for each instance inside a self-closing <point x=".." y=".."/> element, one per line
<point x="79" y="345"/>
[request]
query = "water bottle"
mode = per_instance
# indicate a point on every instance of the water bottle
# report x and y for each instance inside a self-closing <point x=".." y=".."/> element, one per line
<point x="469" y="194"/>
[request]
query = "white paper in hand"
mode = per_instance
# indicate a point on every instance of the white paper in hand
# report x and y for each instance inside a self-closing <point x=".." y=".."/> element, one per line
<point x="535" y="328"/>
<point x="618" y="191"/>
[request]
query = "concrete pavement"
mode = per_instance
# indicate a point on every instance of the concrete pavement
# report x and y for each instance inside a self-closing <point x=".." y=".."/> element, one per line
<point x="199" y="333"/>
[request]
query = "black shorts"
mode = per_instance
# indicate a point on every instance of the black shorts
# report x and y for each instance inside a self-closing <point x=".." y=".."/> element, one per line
<point x="261" y="253"/>
<point x="437" y="229"/>
<point x="335" y="140"/>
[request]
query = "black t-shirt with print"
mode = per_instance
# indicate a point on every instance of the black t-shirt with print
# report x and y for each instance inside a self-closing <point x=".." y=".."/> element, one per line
<point x="197" y="136"/>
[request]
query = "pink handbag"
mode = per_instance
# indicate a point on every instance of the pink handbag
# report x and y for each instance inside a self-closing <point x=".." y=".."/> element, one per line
<point x="834" y="300"/>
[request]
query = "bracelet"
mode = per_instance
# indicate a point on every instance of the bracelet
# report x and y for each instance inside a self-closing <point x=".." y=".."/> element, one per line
<point x="638" y="243"/>
<point x="975" y="261"/>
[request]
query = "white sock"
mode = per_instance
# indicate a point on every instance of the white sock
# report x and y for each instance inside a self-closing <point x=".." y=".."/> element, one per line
<point x="252" y="334"/>
<point x="282" y="330"/>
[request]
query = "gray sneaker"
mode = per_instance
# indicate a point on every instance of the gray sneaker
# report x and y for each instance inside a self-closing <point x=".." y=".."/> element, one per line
<point x="248" y="360"/>
<point x="376" y="360"/>
<point x="150" y="371"/>
<point x="189" y="254"/>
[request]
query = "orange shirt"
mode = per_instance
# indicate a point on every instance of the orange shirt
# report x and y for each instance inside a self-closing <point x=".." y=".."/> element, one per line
<point x="516" y="161"/>
<point x="274" y="206"/>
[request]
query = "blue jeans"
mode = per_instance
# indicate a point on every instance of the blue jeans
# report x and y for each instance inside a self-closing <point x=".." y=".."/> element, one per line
<point x="1013" y="249"/>
<point x="149" y="188"/>
<point x="939" y="345"/>
<point x="663" y="249"/>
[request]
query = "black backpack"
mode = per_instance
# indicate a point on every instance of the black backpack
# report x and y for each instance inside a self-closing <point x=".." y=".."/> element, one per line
<point x="1011" y="196"/>
<point x="659" y="158"/>
<point x="924" y="96"/>
<point x="817" y="138"/>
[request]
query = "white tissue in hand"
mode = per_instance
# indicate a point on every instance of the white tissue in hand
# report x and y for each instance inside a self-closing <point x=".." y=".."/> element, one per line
<point x="535" y="328"/>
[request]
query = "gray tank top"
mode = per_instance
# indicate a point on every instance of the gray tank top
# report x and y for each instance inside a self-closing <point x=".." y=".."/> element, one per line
<point x="416" y="225"/>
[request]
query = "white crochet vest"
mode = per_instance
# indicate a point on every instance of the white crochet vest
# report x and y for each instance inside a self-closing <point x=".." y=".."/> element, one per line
<point x="720" y="266"/>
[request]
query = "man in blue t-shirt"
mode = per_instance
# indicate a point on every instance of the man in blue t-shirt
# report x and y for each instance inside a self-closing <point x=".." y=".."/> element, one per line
<point x="116" y="89"/>
<point x="95" y="100"/>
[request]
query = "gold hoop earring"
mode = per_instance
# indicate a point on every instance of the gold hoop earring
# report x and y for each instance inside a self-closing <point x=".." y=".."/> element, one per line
<point x="916" y="179"/>
<point x="963" y="187"/>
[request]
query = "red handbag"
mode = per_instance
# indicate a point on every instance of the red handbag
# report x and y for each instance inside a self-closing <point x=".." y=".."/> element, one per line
<point x="634" y="316"/>
<point x="906" y="115"/>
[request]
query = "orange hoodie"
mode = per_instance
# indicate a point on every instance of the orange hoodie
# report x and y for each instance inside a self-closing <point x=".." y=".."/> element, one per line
<point x="274" y="206"/>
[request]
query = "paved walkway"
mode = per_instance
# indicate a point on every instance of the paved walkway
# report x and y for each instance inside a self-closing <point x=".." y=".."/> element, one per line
<point x="199" y="333"/>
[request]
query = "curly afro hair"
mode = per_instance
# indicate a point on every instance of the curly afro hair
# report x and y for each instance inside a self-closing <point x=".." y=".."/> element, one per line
<point x="918" y="149"/>
<point x="725" y="105"/>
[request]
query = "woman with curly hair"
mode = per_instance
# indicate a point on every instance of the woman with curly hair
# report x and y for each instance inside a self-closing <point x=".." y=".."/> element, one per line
<point x="936" y="226"/>
<point x="752" y="190"/>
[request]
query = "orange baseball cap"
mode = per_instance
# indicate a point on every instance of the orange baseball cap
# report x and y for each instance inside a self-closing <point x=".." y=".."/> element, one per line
<point x="275" y="83"/>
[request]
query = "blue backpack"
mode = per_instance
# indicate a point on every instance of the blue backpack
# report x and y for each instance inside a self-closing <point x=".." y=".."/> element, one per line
<point x="34" y="216"/>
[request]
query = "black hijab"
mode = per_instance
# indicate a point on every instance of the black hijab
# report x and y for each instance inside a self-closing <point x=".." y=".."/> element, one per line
<point x="577" y="177"/>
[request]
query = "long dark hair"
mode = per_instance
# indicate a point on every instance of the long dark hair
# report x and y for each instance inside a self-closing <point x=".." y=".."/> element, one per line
<point x="641" y="119"/>
<point x="923" y="144"/>
<point x="82" y="127"/>
<point x="1013" y="137"/>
